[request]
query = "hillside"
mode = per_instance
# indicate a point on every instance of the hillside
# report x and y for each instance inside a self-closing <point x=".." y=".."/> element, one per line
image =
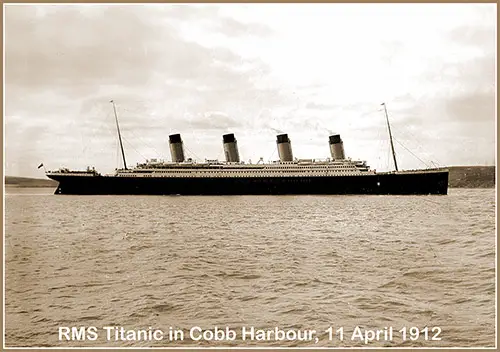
<point x="460" y="177"/>
<point x="13" y="181"/>
<point x="472" y="176"/>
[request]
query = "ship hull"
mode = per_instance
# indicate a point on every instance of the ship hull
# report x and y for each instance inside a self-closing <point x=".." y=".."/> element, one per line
<point x="418" y="183"/>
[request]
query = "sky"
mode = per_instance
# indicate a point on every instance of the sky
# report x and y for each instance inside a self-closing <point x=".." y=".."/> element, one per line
<point x="255" y="70"/>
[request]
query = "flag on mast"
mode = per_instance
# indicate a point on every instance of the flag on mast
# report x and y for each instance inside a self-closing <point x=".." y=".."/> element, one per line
<point x="39" y="166"/>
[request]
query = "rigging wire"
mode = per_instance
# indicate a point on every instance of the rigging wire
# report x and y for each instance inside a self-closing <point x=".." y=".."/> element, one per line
<point x="272" y="154"/>
<point x="195" y="136"/>
<point x="87" y="126"/>
<point x="147" y="145"/>
<point x="196" y="157"/>
<point x="117" y="161"/>
<point x="420" y="146"/>
<point x="221" y="154"/>
<point x="401" y="144"/>
<point x="382" y="154"/>
<point x="134" y="148"/>
<point x="388" y="155"/>
<point x="139" y="137"/>
<point x="380" y="142"/>
<point x="112" y="132"/>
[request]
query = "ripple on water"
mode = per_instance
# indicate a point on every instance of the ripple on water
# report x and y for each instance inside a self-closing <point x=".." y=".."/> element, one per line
<point x="298" y="262"/>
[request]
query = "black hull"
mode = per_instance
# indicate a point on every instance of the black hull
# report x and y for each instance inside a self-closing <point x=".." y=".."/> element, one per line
<point x="431" y="182"/>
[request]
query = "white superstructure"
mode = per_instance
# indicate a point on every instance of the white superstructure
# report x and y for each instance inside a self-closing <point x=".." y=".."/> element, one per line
<point x="215" y="168"/>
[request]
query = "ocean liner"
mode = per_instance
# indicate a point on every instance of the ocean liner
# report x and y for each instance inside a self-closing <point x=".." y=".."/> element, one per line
<point x="288" y="175"/>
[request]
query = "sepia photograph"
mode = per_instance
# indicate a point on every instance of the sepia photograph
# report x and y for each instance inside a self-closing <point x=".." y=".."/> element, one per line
<point x="250" y="175"/>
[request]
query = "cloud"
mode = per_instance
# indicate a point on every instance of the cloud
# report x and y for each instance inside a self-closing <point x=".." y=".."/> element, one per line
<point x="232" y="27"/>
<point x="39" y="53"/>
<point x="275" y="130"/>
<point x="214" y="120"/>
<point x="184" y="12"/>
<point x="474" y="107"/>
<point x="64" y="63"/>
<point x="320" y="106"/>
<point x="117" y="46"/>
<point x="466" y="91"/>
<point x="476" y="36"/>
<point x="202" y="72"/>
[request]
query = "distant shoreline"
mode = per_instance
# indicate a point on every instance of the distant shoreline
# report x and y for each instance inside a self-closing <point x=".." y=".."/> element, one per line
<point x="471" y="177"/>
<point x="27" y="182"/>
<point x="24" y="186"/>
<point x="460" y="177"/>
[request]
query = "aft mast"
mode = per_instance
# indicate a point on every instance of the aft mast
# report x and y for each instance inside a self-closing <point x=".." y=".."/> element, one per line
<point x="390" y="137"/>
<point x="119" y="135"/>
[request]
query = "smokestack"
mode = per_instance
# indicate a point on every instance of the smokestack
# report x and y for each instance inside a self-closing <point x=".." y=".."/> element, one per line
<point x="284" y="147"/>
<point x="176" y="148"/>
<point x="336" y="147"/>
<point x="230" y="148"/>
